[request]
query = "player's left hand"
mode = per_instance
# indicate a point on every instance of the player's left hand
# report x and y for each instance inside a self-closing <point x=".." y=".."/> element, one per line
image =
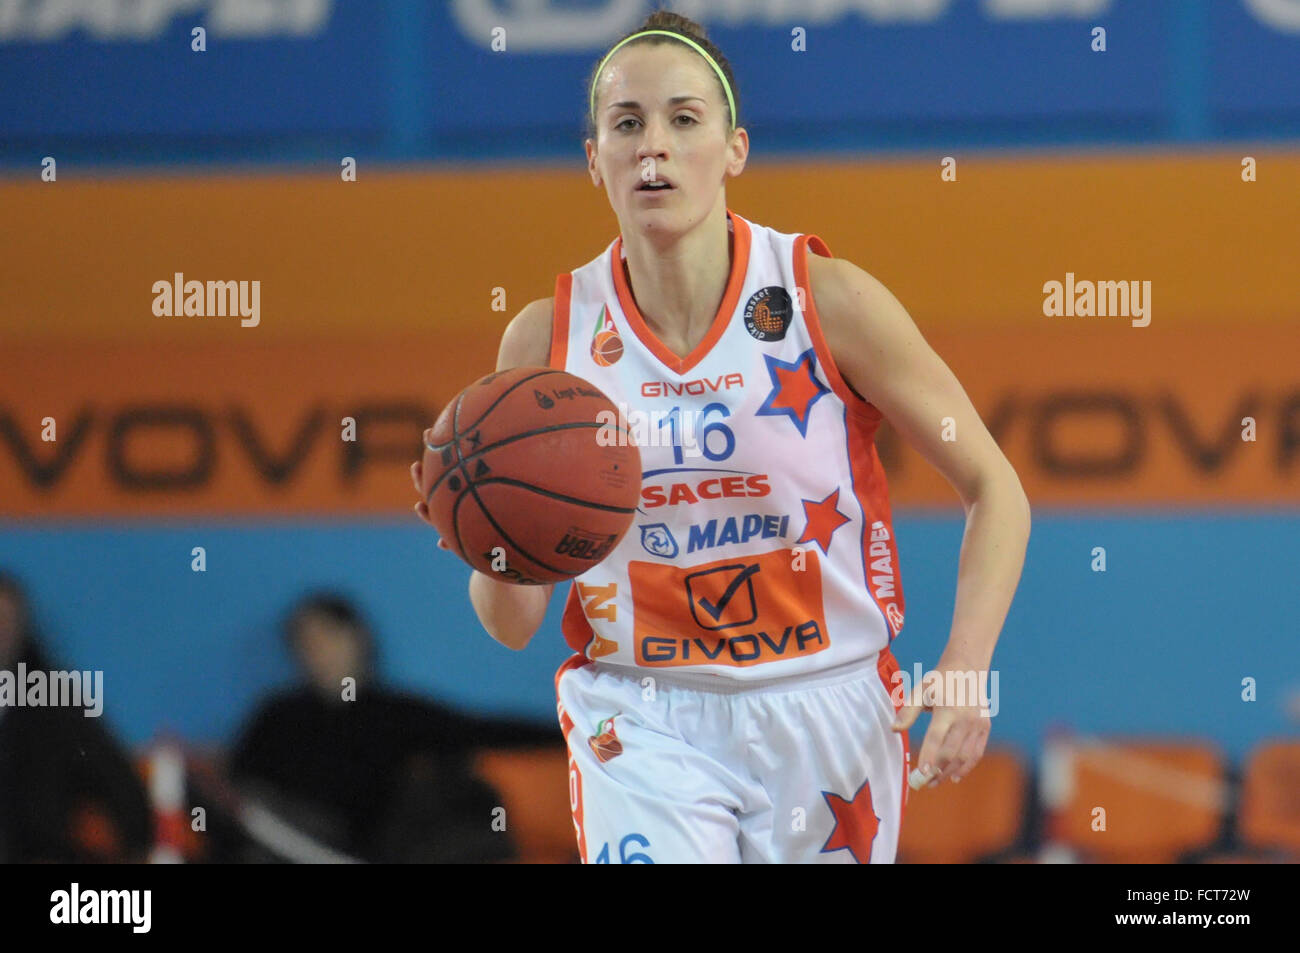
<point x="955" y="740"/>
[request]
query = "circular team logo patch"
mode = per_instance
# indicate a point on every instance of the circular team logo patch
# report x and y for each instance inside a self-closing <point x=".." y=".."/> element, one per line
<point x="767" y="313"/>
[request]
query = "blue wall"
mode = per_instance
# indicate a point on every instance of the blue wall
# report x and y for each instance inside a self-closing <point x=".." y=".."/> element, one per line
<point x="1191" y="604"/>
<point x="408" y="80"/>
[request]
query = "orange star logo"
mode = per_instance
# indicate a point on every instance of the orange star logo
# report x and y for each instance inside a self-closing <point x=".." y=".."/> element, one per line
<point x="795" y="391"/>
<point x="823" y="519"/>
<point x="855" y="824"/>
<point x="795" y="388"/>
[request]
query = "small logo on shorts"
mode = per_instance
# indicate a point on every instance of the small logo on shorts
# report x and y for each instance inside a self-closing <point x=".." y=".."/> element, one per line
<point x="768" y="312"/>
<point x="604" y="743"/>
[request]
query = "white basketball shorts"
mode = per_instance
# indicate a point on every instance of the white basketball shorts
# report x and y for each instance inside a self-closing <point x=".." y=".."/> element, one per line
<point x="671" y="767"/>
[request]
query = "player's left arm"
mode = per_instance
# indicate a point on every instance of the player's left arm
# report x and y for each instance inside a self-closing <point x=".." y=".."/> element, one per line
<point x="882" y="356"/>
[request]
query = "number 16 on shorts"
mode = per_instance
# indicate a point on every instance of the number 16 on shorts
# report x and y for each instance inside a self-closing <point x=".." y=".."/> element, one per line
<point x="630" y="842"/>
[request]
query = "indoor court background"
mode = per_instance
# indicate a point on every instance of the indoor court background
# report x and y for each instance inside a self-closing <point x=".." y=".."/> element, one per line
<point x="1120" y="688"/>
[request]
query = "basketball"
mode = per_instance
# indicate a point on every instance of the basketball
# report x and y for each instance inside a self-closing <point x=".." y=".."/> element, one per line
<point x="530" y="475"/>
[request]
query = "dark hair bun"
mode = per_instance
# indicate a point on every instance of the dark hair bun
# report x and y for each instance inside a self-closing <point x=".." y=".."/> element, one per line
<point x="667" y="20"/>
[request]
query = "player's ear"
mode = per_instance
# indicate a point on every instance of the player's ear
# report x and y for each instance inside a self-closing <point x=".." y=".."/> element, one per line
<point x="590" y="146"/>
<point x="737" y="151"/>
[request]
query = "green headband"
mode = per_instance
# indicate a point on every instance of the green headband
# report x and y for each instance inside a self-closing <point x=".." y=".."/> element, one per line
<point x="731" y="102"/>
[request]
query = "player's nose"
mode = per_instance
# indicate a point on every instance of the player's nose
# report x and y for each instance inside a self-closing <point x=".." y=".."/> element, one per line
<point x="654" y="139"/>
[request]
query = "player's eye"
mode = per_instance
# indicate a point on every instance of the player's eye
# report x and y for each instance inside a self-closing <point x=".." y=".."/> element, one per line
<point x="620" y="125"/>
<point x="688" y="117"/>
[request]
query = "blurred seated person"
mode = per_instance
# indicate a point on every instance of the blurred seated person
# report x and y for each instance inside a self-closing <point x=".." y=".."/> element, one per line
<point x="365" y="770"/>
<point x="68" y="792"/>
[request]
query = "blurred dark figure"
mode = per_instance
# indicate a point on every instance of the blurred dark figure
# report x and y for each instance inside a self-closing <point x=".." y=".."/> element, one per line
<point x="367" y="771"/>
<point x="68" y="791"/>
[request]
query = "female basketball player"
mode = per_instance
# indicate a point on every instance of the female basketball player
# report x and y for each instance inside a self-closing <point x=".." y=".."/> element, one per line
<point x="732" y="697"/>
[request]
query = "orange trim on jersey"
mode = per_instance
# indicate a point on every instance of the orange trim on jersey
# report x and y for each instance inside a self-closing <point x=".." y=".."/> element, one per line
<point x="871" y="489"/>
<point x="578" y="633"/>
<point x="886" y="666"/>
<point x="569" y="664"/>
<point x="813" y="321"/>
<point x="736" y="281"/>
<point x="560" y="321"/>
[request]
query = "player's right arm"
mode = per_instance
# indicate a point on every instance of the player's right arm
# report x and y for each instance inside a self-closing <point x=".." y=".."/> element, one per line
<point x="512" y="614"/>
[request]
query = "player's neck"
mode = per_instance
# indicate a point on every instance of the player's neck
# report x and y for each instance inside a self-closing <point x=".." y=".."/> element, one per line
<point x="679" y="286"/>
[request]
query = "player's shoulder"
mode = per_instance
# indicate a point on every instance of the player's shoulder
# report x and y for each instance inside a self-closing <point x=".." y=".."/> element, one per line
<point x="526" y="341"/>
<point x="846" y="294"/>
<point x="834" y="279"/>
<point x="866" y="328"/>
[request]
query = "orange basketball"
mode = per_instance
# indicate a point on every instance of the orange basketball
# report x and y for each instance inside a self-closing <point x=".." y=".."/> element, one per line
<point x="530" y="476"/>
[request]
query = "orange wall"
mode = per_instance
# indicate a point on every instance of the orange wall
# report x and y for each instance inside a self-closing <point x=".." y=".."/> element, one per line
<point x="379" y="293"/>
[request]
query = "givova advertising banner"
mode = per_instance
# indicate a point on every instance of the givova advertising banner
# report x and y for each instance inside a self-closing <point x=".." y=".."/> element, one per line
<point x="1126" y="326"/>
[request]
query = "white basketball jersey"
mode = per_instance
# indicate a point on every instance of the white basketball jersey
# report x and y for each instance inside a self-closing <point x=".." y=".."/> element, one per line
<point x="763" y="545"/>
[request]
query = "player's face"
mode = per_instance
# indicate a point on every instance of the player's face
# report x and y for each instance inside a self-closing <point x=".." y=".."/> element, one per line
<point x="646" y="130"/>
<point x="329" y="652"/>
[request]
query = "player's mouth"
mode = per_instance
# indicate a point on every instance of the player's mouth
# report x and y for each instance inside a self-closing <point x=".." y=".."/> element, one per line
<point x="659" y="184"/>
